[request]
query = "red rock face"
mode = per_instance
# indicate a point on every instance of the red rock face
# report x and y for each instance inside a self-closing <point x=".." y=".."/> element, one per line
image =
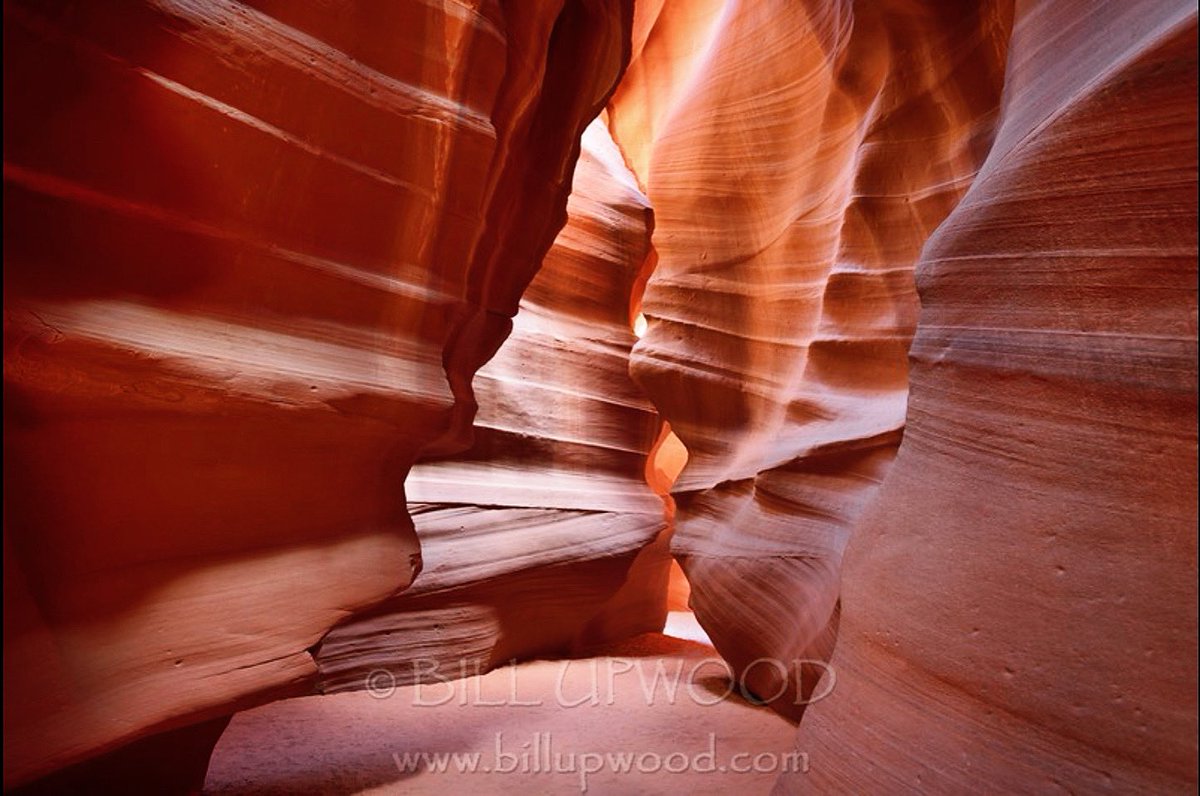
<point x="1005" y="569"/>
<point x="797" y="156"/>
<point x="254" y="253"/>
<point x="919" y="290"/>
<point x="1020" y="601"/>
<point x="538" y="540"/>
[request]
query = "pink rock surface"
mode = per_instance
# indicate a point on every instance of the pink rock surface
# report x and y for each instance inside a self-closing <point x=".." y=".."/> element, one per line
<point x="253" y="254"/>
<point x="540" y="538"/>
<point x="915" y="287"/>
<point x="797" y="156"/>
<point x="1020" y="601"/>
<point x="641" y="708"/>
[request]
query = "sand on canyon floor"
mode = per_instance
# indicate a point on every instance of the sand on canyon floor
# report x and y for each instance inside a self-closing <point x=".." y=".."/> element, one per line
<point x="653" y="715"/>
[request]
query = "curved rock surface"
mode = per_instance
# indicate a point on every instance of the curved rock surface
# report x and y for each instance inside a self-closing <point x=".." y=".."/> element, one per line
<point x="1020" y="602"/>
<point x="915" y="283"/>
<point x="254" y="252"/>
<point x="797" y="155"/>
<point x="530" y="536"/>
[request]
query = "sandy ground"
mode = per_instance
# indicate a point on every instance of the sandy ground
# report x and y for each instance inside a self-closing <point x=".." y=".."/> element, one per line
<point x="651" y="716"/>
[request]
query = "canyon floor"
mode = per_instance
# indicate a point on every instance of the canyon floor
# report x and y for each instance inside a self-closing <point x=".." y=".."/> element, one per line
<point x="618" y="721"/>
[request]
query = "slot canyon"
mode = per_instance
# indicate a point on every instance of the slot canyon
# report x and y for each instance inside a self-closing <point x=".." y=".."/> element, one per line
<point x="606" y="396"/>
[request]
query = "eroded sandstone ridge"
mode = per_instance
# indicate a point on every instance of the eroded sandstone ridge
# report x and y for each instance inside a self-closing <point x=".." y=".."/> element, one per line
<point x="1020" y="601"/>
<point x="254" y="252"/>
<point x="797" y="155"/>
<point x="918" y="285"/>
<point x="539" y="539"/>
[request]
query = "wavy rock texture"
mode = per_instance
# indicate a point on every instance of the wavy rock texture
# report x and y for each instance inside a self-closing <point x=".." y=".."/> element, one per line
<point x="797" y="155"/>
<point x="1020" y="603"/>
<point x="529" y="536"/>
<point x="254" y="253"/>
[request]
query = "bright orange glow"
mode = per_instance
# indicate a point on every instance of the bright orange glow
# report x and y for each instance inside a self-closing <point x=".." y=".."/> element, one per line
<point x="666" y="461"/>
<point x="678" y="589"/>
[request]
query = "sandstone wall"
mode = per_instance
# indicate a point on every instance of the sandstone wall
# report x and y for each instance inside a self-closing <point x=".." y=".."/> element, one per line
<point x="254" y="252"/>
<point x="1020" y="601"/>
<point x="797" y="155"/>
<point x="540" y="539"/>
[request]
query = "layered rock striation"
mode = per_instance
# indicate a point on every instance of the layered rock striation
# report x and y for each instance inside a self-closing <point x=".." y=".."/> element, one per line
<point x="254" y="252"/>
<point x="543" y="538"/>
<point x="1020" y="601"/>
<point x="797" y="156"/>
<point x="915" y="285"/>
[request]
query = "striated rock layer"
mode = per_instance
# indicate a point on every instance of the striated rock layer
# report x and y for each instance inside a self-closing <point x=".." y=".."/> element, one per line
<point x="1020" y="602"/>
<point x="797" y="155"/>
<point x="528" y="537"/>
<point x="254" y="252"/>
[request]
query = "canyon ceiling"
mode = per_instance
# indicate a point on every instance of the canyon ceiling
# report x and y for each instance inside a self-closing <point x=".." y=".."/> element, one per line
<point x="340" y="336"/>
